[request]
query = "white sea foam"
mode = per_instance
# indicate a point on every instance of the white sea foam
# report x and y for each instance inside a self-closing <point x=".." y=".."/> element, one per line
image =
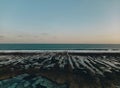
<point x="71" y="51"/>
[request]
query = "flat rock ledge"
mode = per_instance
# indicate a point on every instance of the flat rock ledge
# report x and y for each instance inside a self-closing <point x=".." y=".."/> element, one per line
<point x="75" y="69"/>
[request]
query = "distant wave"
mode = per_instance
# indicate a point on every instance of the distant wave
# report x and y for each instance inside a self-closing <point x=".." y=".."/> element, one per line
<point x="65" y="50"/>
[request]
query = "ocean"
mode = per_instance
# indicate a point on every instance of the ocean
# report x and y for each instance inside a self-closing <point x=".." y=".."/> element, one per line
<point x="58" y="46"/>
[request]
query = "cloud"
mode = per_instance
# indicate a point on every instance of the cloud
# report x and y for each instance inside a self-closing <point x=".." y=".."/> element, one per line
<point x="1" y="36"/>
<point x="55" y="37"/>
<point x="44" y="33"/>
<point x="32" y="35"/>
<point x="20" y="36"/>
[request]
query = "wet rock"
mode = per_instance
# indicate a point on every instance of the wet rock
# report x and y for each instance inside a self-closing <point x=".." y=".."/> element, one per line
<point x="22" y="81"/>
<point x="77" y="70"/>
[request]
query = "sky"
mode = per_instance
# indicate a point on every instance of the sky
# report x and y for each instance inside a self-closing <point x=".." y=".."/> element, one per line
<point x="60" y="21"/>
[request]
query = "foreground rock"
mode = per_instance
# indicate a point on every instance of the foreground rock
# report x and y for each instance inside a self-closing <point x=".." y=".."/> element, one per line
<point x="29" y="81"/>
<point x="77" y="70"/>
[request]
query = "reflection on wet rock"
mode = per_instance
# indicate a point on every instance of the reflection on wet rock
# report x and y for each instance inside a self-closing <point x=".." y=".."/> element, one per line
<point x="30" y="81"/>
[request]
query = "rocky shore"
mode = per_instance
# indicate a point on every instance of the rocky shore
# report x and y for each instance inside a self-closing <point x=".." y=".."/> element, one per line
<point x="60" y="70"/>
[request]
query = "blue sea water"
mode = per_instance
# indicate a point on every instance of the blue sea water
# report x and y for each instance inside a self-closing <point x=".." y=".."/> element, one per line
<point x="58" y="46"/>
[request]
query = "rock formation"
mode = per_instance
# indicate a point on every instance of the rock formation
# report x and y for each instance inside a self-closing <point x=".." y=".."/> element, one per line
<point x="77" y="70"/>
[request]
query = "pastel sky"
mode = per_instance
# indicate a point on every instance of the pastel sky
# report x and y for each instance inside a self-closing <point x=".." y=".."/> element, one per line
<point x="60" y="21"/>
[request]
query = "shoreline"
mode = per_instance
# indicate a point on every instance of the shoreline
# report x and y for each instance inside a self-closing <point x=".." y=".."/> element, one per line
<point x="60" y="51"/>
